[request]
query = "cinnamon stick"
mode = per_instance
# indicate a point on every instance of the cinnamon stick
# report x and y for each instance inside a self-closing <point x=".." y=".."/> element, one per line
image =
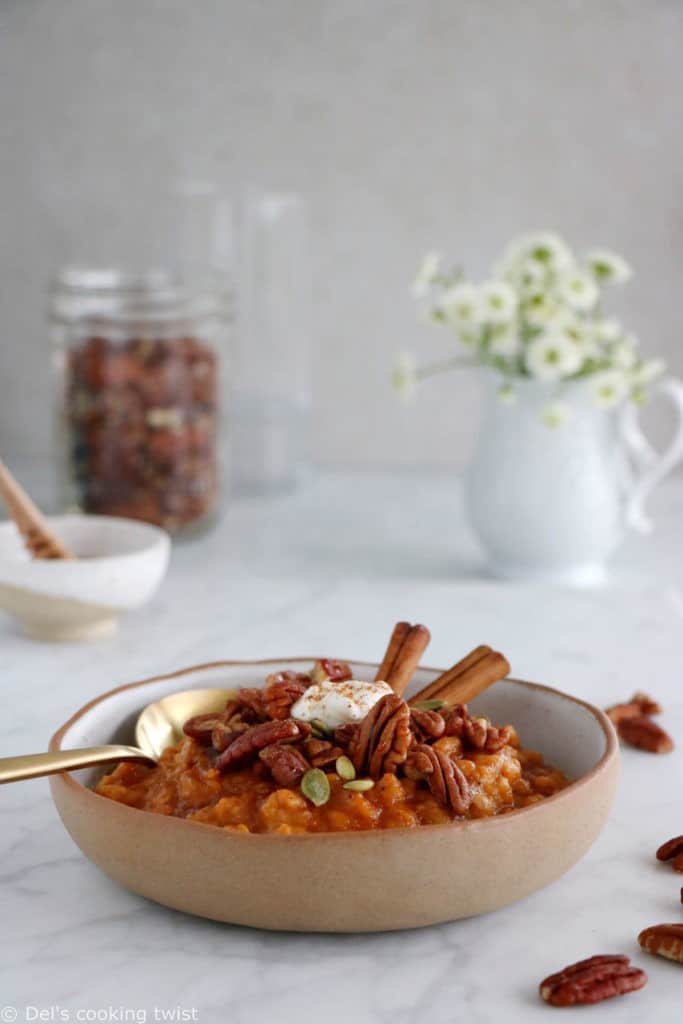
<point x="403" y="654"/>
<point x="408" y="658"/>
<point x="475" y="673"/>
<point x="398" y="636"/>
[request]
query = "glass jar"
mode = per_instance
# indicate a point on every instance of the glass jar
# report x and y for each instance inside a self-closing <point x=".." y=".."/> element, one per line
<point x="139" y="361"/>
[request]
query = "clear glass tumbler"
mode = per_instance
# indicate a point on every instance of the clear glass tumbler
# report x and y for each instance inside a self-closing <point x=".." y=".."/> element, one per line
<point x="270" y="402"/>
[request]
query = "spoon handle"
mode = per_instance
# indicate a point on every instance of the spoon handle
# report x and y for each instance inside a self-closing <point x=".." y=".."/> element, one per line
<point x="31" y="766"/>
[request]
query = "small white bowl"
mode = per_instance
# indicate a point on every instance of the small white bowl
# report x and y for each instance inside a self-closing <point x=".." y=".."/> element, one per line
<point x="119" y="565"/>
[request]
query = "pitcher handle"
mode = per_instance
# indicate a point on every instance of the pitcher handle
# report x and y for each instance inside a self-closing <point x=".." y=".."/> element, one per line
<point x="652" y="465"/>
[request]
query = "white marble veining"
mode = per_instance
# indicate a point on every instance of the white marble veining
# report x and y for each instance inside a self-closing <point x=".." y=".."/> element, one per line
<point x="328" y="571"/>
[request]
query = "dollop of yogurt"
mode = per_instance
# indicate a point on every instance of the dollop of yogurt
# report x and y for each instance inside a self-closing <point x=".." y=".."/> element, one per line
<point x="336" y="703"/>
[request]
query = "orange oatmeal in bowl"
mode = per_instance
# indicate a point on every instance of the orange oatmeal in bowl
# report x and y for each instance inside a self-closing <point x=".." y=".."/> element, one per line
<point x="321" y="752"/>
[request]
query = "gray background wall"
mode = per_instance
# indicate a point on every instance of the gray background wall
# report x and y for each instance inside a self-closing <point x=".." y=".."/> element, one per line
<point x="443" y="123"/>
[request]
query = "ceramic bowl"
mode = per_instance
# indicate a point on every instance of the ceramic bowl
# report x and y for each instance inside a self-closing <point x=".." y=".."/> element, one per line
<point x="120" y="564"/>
<point x="345" y="882"/>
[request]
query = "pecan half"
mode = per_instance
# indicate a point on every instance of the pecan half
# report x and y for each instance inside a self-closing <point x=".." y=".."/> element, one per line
<point x="224" y="733"/>
<point x="200" y="727"/>
<point x="591" y="981"/>
<point x="663" y="940"/>
<point x="321" y="753"/>
<point x="443" y="776"/>
<point x="345" y="734"/>
<point x="477" y="733"/>
<point x="381" y="744"/>
<point x="672" y="850"/>
<point x="282" y="690"/>
<point x="249" y="743"/>
<point x="639" y="704"/>
<point x="644" y="733"/>
<point x="250" y="700"/>
<point x="426" y="724"/>
<point x="286" y="764"/>
<point x="328" y="668"/>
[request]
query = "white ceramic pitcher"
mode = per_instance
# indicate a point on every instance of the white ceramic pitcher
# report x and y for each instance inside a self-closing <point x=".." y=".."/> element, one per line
<point x="553" y="503"/>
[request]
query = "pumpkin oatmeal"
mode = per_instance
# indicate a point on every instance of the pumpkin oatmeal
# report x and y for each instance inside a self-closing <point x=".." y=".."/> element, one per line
<point x="304" y="755"/>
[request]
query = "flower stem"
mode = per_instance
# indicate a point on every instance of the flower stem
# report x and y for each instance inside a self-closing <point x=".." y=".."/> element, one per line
<point x="444" y="366"/>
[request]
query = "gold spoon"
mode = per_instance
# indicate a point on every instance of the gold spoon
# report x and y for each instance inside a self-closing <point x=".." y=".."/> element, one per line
<point x="158" y="726"/>
<point x="39" y="539"/>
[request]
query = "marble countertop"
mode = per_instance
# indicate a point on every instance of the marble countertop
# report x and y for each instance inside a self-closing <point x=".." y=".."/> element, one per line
<point x="330" y="569"/>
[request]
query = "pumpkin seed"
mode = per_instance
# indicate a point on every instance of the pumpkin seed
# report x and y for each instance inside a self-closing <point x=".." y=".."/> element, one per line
<point x="429" y="705"/>
<point x="344" y="768"/>
<point x="315" y="786"/>
<point x="318" y="726"/>
<point x="359" y="785"/>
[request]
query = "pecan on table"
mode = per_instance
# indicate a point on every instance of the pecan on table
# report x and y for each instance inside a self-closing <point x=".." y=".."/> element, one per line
<point x="286" y="764"/>
<point x="249" y="743"/>
<point x="663" y="940"/>
<point x="328" y="668"/>
<point x="644" y="733"/>
<point x="381" y="744"/>
<point x="592" y="981"/>
<point x="282" y="690"/>
<point x="321" y="753"/>
<point x="443" y="776"/>
<point x="672" y="850"/>
<point x="426" y="724"/>
<point x="639" y="704"/>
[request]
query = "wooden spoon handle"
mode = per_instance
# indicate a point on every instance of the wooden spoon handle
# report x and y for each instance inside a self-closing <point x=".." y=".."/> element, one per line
<point x="32" y="525"/>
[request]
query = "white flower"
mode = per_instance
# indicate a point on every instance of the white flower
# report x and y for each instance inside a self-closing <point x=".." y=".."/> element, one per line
<point x="540" y="309"/>
<point x="552" y="356"/>
<point x="531" y="277"/>
<point x="426" y="275"/>
<point x="624" y="353"/>
<point x="647" y="371"/>
<point x="607" y="330"/>
<point x="404" y="378"/>
<point x="507" y="394"/>
<point x="606" y="265"/>
<point x="461" y="305"/>
<point x="545" y="248"/>
<point x="505" y="341"/>
<point x="578" y="290"/>
<point x="608" y="387"/>
<point x="549" y="250"/>
<point x="498" y="302"/>
<point x="554" y="414"/>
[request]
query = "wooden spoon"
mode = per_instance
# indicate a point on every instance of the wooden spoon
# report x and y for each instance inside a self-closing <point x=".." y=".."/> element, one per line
<point x="39" y="539"/>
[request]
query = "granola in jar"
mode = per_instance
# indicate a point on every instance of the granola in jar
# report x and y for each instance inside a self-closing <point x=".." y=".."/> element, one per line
<point x="140" y="365"/>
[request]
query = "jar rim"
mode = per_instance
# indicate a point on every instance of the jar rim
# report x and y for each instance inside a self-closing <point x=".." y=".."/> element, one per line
<point x="112" y="294"/>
